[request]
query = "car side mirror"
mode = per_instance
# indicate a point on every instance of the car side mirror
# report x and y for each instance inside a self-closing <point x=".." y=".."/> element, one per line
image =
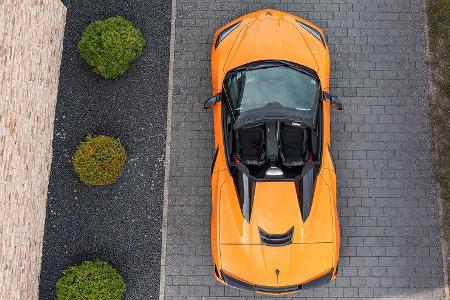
<point x="334" y="101"/>
<point x="211" y="101"/>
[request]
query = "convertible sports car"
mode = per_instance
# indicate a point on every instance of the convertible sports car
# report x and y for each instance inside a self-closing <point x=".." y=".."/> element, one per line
<point x="274" y="226"/>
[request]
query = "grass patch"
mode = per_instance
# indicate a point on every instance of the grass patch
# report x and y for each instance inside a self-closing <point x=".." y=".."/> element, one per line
<point x="438" y="12"/>
<point x="448" y="177"/>
<point x="439" y="21"/>
<point x="439" y="35"/>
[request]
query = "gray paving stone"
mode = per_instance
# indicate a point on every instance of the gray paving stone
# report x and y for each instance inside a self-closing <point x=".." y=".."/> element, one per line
<point x="381" y="141"/>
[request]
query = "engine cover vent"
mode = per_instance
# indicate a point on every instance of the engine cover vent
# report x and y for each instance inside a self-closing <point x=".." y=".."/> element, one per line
<point x="276" y="240"/>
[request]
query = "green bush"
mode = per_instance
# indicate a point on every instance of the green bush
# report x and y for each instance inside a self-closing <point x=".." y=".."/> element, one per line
<point x="92" y="280"/>
<point x="448" y="174"/>
<point x="110" y="45"/>
<point x="99" y="160"/>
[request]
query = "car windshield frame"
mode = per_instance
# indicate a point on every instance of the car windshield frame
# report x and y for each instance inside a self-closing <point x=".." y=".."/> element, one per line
<point x="273" y="113"/>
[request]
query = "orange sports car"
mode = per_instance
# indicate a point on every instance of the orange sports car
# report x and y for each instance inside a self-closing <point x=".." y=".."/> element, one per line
<point x="274" y="225"/>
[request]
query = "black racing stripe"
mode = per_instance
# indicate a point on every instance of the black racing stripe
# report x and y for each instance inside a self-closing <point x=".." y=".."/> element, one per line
<point x="332" y="157"/>
<point x="214" y="160"/>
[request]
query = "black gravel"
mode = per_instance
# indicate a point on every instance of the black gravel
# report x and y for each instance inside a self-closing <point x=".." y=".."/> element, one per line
<point x="120" y="223"/>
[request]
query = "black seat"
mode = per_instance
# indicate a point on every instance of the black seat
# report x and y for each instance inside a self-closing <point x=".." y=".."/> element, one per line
<point x="250" y="148"/>
<point x="293" y="141"/>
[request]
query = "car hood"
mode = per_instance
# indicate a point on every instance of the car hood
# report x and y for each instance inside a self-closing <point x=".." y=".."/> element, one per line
<point x="284" y="266"/>
<point x="276" y="210"/>
<point x="271" y="36"/>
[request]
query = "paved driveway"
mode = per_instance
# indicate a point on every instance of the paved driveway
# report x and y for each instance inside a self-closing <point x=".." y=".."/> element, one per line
<point x="381" y="142"/>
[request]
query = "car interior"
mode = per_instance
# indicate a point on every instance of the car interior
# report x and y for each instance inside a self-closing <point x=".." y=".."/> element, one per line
<point x="273" y="149"/>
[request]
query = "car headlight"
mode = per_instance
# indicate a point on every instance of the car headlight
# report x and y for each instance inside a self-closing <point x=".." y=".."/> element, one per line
<point x="313" y="31"/>
<point x="226" y="32"/>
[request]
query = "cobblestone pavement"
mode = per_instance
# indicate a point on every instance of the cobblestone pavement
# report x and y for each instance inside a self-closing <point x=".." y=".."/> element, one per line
<point x="381" y="142"/>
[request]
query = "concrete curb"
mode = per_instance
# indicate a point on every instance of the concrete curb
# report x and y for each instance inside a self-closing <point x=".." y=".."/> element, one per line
<point x="162" y="280"/>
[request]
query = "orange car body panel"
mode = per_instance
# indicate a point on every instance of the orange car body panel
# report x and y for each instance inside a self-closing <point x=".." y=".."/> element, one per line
<point x="235" y="244"/>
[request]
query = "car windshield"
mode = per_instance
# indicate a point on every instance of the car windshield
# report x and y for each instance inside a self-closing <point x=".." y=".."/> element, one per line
<point x="272" y="88"/>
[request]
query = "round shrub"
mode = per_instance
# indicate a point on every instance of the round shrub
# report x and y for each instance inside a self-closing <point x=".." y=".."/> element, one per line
<point x="110" y="45"/>
<point x="91" y="280"/>
<point x="99" y="160"/>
